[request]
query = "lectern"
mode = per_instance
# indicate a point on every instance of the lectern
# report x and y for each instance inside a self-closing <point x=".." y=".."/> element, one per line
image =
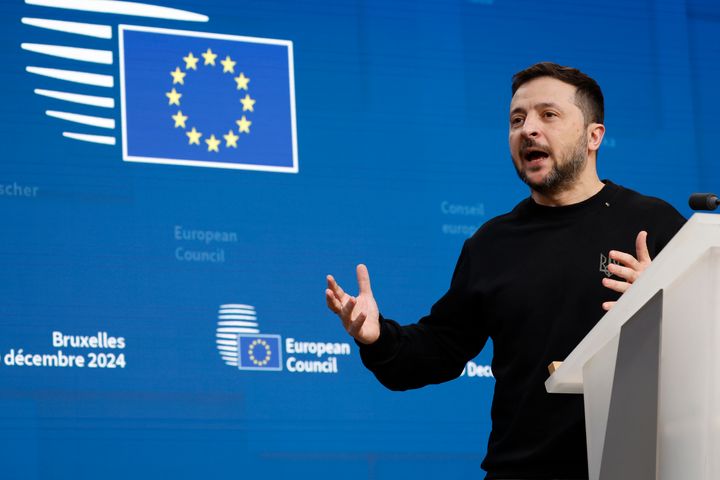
<point x="650" y="369"/>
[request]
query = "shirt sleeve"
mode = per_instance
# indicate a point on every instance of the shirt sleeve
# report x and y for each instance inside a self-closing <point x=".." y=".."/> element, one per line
<point x="435" y="349"/>
<point x="667" y="222"/>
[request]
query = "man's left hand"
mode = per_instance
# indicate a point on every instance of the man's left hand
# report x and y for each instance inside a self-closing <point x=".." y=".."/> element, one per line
<point x="629" y="269"/>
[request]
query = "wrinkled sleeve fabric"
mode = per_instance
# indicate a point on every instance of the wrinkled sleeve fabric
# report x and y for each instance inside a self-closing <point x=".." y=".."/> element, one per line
<point x="435" y="349"/>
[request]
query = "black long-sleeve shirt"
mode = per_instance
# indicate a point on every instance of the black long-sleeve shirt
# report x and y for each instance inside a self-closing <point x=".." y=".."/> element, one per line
<point x="531" y="281"/>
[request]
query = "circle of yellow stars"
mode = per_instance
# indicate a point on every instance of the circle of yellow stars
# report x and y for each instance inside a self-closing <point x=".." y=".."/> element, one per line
<point x="251" y="352"/>
<point x="181" y="120"/>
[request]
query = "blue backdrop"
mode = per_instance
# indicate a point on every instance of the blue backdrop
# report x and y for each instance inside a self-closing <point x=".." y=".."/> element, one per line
<point x="378" y="133"/>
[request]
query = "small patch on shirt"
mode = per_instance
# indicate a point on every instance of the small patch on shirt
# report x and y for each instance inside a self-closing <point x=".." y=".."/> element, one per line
<point x="604" y="262"/>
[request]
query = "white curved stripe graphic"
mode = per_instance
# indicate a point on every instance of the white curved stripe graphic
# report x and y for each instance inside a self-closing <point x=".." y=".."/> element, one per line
<point x="237" y="324"/>
<point x="103" y="139"/>
<point x="104" y="102"/>
<point x="226" y="335"/>
<point x="73" y="53"/>
<point x="237" y="310"/>
<point x="237" y="316"/>
<point x="238" y="330"/>
<point x="232" y="364"/>
<point x="227" y="342"/>
<point x="237" y="305"/>
<point x="228" y="354"/>
<point x="226" y="348"/>
<point x="95" y="79"/>
<point x="122" y="8"/>
<point x="89" y="29"/>
<point x="84" y="119"/>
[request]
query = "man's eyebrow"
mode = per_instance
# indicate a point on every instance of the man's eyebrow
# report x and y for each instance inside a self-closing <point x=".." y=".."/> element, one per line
<point x="537" y="106"/>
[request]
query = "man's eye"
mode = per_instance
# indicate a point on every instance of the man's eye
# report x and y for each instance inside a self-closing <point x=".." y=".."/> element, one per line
<point x="549" y="114"/>
<point x="516" y="121"/>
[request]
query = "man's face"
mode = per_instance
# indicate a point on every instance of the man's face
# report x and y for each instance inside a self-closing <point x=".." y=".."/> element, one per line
<point x="548" y="139"/>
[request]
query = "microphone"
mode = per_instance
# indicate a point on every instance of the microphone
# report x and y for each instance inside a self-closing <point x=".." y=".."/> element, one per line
<point x="704" y="201"/>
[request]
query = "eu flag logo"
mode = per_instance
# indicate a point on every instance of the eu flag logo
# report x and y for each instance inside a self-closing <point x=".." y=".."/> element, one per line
<point x="210" y="100"/>
<point x="259" y="352"/>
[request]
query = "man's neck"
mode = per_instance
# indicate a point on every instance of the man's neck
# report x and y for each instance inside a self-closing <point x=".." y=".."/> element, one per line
<point x="579" y="191"/>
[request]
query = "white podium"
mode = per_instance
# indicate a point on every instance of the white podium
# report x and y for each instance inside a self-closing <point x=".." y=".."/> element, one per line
<point x="650" y="369"/>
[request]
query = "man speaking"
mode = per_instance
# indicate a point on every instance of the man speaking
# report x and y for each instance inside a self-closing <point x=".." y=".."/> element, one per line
<point x="534" y="280"/>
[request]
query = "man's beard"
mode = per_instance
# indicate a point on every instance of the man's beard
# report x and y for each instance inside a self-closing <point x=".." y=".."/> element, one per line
<point x="563" y="174"/>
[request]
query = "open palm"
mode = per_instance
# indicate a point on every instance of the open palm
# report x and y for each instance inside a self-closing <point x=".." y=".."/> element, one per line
<point x="360" y="315"/>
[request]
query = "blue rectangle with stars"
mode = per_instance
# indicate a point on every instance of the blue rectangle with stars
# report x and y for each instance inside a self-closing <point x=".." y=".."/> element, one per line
<point x="259" y="352"/>
<point x="202" y="99"/>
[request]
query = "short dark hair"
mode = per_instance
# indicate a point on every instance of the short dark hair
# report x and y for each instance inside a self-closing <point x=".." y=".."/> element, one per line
<point x="588" y="97"/>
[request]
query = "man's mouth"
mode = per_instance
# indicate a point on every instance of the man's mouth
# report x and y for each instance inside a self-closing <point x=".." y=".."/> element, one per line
<point x="532" y="154"/>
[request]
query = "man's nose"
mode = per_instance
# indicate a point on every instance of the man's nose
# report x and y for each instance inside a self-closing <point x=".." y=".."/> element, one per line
<point x="531" y="127"/>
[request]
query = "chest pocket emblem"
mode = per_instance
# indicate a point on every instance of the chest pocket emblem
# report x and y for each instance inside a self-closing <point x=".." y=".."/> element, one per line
<point x="604" y="261"/>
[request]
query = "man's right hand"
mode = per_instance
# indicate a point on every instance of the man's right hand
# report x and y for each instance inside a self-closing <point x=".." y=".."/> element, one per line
<point x="360" y="315"/>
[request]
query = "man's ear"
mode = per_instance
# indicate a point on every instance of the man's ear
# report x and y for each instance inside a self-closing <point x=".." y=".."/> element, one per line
<point x="596" y="132"/>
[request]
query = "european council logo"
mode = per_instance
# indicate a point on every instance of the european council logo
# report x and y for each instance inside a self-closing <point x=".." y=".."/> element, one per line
<point x="259" y="352"/>
<point x="186" y="98"/>
<point x="240" y="343"/>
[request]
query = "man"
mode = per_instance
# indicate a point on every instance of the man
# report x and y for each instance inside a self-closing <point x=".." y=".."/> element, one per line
<point x="529" y="280"/>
